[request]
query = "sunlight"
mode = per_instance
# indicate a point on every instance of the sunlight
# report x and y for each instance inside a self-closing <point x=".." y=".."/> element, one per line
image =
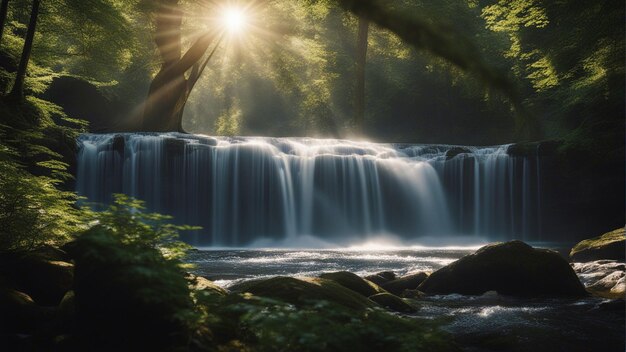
<point x="234" y="19"/>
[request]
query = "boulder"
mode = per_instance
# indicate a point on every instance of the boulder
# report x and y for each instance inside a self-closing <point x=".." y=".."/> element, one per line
<point x="392" y="302"/>
<point x="408" y="282"/>
<point x="199" y="283"/>
<point x="67" y="310"/>
<point x="511" y="268"/>
<point x="353" y="282"/>
<point x="20" y="314"/>
<point x="39" y="273"/>
<point x="381" y="277"/>
<point x="611" y="286"/>
<point x="611" y="245"/>
<point x="304" y="290"/>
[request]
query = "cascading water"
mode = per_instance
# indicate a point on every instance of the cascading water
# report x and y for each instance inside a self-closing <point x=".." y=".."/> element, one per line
<point x="243" y="189"/>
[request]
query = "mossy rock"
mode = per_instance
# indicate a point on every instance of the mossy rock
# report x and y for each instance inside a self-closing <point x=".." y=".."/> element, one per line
<point x="611" y="245"/>
<point x="353" y="282"/>
<point x="511" y="268"/>
<point x="392" y="302"/>
<point x="381" y="277"/>
<point x="408" y="282"/>
<point x="303" y="291"/>
<point x="200" y="283"/>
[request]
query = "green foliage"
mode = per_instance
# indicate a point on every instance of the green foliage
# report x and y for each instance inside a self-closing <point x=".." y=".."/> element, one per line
<point x="264" y="324"/>
<point x="33" y="211"/>
<point x="130" y="274"/>
<point x="140" y="298"/>
<point x="126" y="219"/>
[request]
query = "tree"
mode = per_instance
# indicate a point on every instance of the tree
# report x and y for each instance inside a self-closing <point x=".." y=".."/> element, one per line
<point x="361" y="58"/>
<point x="17" y="92"/>
<point x="4" y="8"/>
<point x="170" y="88"/>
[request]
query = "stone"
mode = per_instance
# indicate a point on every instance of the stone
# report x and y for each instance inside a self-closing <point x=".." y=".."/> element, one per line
<point x="611" y="245"/>
<point x="611" y="286"/>
<point x="353" y="282"/>
<point x="408" y="282"/>
<point x="20" y="313"/>
<point x="454" y="151"/>
<point x="39" y="274"/>
<point x="302" y="291"/>
<point x="392" y="302"/>
<point x="512" y="268"/>
<point x="200" y="283"/>
<point x="381" y="277"/>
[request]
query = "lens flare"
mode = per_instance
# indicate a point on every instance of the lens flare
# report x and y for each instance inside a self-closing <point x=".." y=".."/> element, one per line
<point x="234" y="19"/>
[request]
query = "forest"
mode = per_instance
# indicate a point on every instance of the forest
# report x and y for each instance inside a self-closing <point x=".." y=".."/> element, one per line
<point x="135" y="133"/>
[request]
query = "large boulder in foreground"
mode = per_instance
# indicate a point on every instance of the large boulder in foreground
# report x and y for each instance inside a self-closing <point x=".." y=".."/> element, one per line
<point x="303" y="291"/>
<point x="611" y="245"/>
<point x="353" y="282"/>
<point x="511" y="268"/>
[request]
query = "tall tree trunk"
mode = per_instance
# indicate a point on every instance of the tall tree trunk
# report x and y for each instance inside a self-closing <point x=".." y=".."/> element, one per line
<point x="4" y="8"/>
<point x="18" y="87"/>
<point x="170" y="88"/>
<point x="361" y="59"/>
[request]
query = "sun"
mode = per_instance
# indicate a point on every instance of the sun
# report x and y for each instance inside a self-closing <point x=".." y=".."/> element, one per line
<point x="234" y="19"/>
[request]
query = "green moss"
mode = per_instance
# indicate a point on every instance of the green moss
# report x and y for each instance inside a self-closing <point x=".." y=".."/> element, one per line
<point x="608" y="246"/>
<point x="303" y="291"/>
<point x="600" y="241"/>
<point x="392" y="302"/>
<point x="354" y="283"/>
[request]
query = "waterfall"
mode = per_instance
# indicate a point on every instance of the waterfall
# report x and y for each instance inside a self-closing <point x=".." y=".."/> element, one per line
<point x="241" y="189"/>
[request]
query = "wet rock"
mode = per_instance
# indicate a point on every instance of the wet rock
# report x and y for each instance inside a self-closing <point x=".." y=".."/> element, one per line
<point x="511" y="268"/>
<point x="454" y="151"/>
<point x="301" y="291"/>
<point x="611" y="245"/>
<point x="611" y="286"/>
<point x="353" y="282"/>
<point x="530" y="149"/>
<point x="381" y="277"/>
<point x="392" y="302"/>
<point x="408" y="282"/>
<point x="174" y="146"/>
<point x="604" y="278"/>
